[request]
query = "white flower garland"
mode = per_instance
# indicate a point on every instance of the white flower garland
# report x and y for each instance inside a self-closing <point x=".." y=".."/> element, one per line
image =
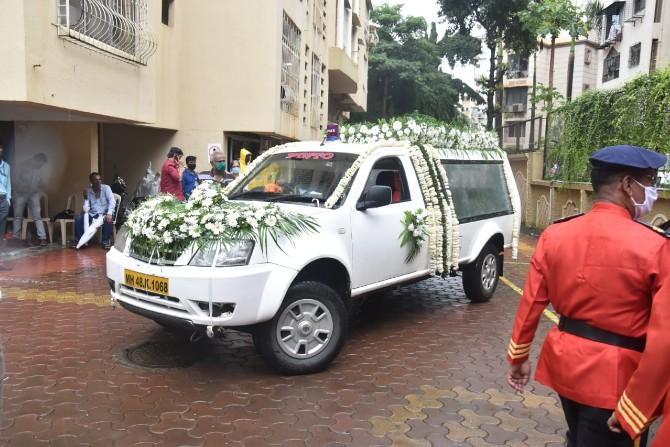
<point x="516" y="209"/>
<point x="416" y="132"/>
<point x="443" y="241"/>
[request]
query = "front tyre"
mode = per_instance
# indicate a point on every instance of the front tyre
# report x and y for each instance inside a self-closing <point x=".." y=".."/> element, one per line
<point x="480" y="278"/>
<point x="306" y="333"/>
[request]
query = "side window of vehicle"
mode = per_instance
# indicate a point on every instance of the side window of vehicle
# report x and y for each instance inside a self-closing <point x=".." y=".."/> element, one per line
<point x="389" y="172"/>
<point x="478" y="189"/>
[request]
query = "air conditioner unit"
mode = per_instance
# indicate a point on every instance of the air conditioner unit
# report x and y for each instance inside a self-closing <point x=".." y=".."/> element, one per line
<point x="518" y="108"/>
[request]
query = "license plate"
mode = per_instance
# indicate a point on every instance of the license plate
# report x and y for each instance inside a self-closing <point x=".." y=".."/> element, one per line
<point x="150" y="283"/>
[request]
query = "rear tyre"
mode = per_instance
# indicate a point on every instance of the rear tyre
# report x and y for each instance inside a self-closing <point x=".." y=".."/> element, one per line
<point x="480" y="278"/>
<point x="306" y="333"/>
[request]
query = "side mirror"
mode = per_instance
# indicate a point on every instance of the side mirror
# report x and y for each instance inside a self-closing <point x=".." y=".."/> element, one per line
<point x="376" y="197"/>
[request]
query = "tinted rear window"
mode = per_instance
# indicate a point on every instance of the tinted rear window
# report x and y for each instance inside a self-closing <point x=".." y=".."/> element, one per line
<point x="478" y="189"/>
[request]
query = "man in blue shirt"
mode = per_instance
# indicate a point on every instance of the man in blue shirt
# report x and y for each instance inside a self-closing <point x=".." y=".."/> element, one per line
<point x="189" y="177"/>
<point x="5" y="192"/>
<point x="101" y="203"/>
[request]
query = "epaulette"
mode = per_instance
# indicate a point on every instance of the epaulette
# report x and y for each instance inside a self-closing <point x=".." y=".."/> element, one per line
<point x="567" y="218"/>
<point x="655" y="229"/>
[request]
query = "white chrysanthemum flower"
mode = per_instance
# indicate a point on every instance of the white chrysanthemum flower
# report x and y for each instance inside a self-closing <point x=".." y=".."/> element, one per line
<point x="397" y="125"/>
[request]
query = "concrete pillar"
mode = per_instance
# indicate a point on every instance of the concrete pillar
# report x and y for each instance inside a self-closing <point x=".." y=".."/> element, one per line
<point x="339" y="26"/>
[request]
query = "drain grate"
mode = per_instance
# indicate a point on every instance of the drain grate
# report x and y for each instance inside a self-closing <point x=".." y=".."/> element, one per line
<point x="163" y="355"/>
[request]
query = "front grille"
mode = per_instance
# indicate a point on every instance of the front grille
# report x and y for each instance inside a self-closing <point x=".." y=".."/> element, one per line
<point x="169" y="302"/>
<point x="144" y="254"/>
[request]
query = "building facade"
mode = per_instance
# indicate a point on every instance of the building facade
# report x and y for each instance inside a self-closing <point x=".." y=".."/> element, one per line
<point x="633" y="38"/>
<point x="111" y="85"/>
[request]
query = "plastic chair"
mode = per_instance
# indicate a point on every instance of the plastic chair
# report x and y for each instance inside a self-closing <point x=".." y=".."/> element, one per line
<point x="44" y="210"/>
<point x="117" y="199"/>
<point x="71" y="204"/>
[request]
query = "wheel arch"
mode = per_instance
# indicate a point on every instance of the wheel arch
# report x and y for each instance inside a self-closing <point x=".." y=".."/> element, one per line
<point x="329" y="271"/>
<point x="489" y="232"/>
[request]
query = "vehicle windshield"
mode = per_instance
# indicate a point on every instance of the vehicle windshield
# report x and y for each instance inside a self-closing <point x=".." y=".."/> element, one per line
<point x="302" y="177"/>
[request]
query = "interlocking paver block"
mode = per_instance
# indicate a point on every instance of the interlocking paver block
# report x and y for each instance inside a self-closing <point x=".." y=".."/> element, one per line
<point x="458" y="432"/>
<point x="474" y="420"/>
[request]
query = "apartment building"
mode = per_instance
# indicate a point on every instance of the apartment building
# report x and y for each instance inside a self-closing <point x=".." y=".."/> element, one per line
<point x="349" y="43"/>
<point x="633" y="38"/>
<point x="110" y="85"/>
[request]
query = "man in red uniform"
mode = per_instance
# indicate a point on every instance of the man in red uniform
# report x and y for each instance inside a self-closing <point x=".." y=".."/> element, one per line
<point x="171" y="174"/>
<point x="648" y="392"/>
<point x="600" y="272"/>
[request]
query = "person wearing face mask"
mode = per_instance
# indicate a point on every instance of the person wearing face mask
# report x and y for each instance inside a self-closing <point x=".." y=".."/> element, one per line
<point x="171" y="174"/>
<point x="236" y="170"/>
<point x="190" y="177"/>
<point x="600" y="271"/>
<point x="219" y="165"/>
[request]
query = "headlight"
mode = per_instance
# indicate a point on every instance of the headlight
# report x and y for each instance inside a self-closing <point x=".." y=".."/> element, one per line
<point x="235" y="254"/>
<point x="121" y="239"/>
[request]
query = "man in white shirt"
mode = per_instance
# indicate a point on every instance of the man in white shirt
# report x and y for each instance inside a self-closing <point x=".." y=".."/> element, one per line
<point x="28" y="183"/>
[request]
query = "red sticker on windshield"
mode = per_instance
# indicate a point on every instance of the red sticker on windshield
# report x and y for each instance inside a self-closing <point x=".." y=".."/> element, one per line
<point x="311" y="155"/>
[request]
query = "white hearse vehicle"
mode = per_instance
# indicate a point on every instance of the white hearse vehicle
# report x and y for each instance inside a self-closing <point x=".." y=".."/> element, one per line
<point x="294" y="295"/>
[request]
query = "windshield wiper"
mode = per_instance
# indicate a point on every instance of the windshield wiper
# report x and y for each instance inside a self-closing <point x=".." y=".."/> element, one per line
<point x="249" y="194"/>
<point x="291" y="198"/>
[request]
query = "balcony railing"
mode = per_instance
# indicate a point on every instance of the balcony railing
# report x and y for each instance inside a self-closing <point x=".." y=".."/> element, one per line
<point x="117" y="27"/>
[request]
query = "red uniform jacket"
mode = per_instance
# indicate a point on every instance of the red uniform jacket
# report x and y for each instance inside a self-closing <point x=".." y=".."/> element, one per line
<point x="648" y="392"/>
<point x="170" y="179"/>
<point x="603" y="268"/>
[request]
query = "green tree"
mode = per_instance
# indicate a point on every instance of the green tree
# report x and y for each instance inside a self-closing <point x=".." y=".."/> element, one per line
<point x="404" y="75"/>
<point x="501" y="25"/>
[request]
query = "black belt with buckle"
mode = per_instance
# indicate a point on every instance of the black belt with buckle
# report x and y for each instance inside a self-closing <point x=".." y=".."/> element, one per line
<point x="582" y="329"/>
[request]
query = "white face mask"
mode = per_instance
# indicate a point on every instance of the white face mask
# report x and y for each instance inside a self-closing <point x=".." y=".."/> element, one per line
<point x="650" y="196"/>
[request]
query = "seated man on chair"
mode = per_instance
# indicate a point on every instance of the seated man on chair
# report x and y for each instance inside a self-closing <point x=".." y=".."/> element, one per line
<point x="101" y="202"/>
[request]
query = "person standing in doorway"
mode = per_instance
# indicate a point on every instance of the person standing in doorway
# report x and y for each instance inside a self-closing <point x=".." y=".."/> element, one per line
<point x="5" y="193"/>
<point x="28" y="185"/>
<point x="600" y="271"/>
<point x="190" y="177"/>
<point x="172" y="174"/>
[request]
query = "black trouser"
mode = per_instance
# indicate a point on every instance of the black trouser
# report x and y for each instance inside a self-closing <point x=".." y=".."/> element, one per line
<point x="4" y="212"/>
<point x="587" y="427"/>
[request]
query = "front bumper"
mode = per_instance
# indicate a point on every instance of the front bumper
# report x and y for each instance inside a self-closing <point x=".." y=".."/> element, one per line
<point x="240" y="296"/>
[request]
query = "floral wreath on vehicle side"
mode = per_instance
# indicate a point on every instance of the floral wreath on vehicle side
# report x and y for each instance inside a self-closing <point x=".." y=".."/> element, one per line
<point x="441" y="220"/>
<point x="414" y="233"/>
<point x="425" y="132"/>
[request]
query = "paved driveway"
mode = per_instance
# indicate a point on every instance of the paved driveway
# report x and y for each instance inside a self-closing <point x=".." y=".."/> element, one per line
<point x="422" y="367"/>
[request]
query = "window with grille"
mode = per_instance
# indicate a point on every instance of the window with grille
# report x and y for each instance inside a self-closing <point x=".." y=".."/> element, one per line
<point x="316" y="88"/>
<point x="611" y="68"/>
<point x="114" y="26"/>
<point x="634" y="55"/>
<point x="518" y="67"/>
<point x="516" y="99"/>
<point x="290" y="66"/>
